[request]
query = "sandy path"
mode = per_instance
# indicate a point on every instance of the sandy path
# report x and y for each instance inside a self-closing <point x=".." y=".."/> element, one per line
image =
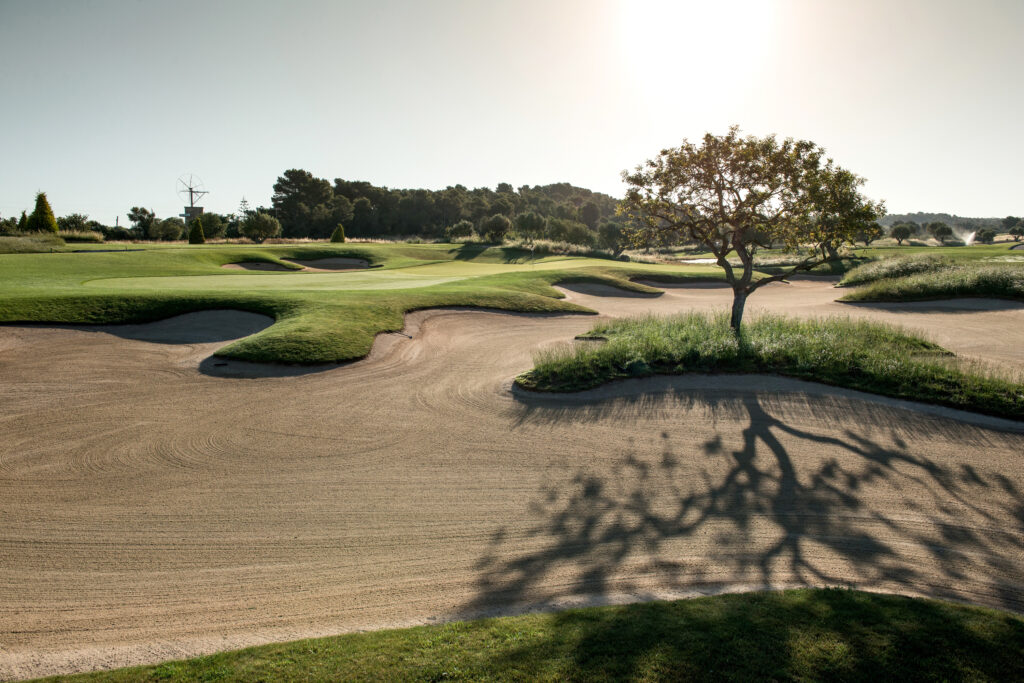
<point x="150" y="511"/>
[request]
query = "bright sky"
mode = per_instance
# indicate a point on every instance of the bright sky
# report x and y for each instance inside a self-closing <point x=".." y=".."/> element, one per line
<point x="105" y="104"/>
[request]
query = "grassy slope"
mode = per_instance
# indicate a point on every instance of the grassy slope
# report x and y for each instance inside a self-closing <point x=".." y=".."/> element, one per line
<point x="826" y="634"/>
<point x="859" y="355"/>
<point x="320" y="317"/>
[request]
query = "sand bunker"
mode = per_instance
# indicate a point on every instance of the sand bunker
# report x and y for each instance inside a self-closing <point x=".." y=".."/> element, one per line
<point x="150" y="511"/>
<point x="255" y="265"/>
<point x="323" y="265"/>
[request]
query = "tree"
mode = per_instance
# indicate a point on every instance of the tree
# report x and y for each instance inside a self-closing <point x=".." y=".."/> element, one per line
<point x="530" y="225"/>
<point x="75" y="222"/>
<point x="869" y="234"/>
<point x="41" y="219"/>
<point x="461" y="229"/>
<point x="141" y="218"/>
<point x="297" y="196"/>
<point x="731" y="194"/>
<point x="214" y="226"/>
<point x="985" y="236"/>
<point x="195" y="233"/>
<point x="339" y="234"/>
<point x="1009" y="222"/>
<point x="940" y="231"/>
<point x="169" y="229"/>
<point x="900" y="232"/>
<point x="260" y="226"/>
<point x="590" y="214"/>
<point x="496" y="227"/>
<point x="1017" y="232"/>
<point x="611" y="237"/>
<point x="23" y="222"/>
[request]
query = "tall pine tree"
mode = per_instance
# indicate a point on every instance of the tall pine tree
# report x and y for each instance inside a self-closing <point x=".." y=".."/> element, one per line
<point x="195" y="235"/>
<point x="42" y="219"/>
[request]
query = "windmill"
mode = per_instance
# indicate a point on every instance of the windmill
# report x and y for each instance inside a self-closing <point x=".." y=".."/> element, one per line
<point x="191" y="188"/>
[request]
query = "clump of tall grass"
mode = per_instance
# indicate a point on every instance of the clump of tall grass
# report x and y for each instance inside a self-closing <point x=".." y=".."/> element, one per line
<point x="995" y="280"/>
<point x="86" y="236"/>
<point x="30" y="243"/>
<point x="900" y="266"/>
<point x="860" y="355"/>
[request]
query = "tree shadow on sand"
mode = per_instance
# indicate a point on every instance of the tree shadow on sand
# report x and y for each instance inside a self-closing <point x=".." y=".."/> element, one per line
<point x="856" y="507"/>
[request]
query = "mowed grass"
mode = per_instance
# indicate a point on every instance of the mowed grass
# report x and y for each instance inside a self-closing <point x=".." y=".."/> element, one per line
<point x="860" y="355"/>
<point x="796" y="635"/>
<point x="320" y="317"/>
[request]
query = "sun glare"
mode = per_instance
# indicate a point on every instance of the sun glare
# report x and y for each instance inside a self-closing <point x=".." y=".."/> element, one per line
<point x="678" y="50"/>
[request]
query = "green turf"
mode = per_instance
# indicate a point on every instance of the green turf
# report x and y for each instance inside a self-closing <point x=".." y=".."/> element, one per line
<point x="320" y="317"/>
<point x="859" y="355"/>
<point x="796" y="635"/>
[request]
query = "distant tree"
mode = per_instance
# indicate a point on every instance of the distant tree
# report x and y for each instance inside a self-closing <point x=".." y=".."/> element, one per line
<point x="1009" y="222"/>
<point x="169" y="229"/>
<point x="75" y="222"/>
<point x="41" y="219"/>
<point x="590" y="214"/>
<point x="611" y="237"/>
<point x="900" y="232"/>
<point x="214" y="227"/>
<point x="23" y="222"/>
<point x="461" y="229"/>
<point x="195" y="232"/>
<point x="940" y="231"/>
<point x="243" y="209"/>
<point x="730" y="193"/>
<point x="530" y="225"/>
<point x="302" y="202"/>
<point x="339" y="234"/>
<point x="8" y="226"/>
<point x="503" y="205"/>
<point x="496" y="227"/>
<point x="985" y="236"/>
<point x="141" y="218"/>
<point x="260" y="226"/>
<point x="869" y="234"/>
<point x="1017" y="232"/>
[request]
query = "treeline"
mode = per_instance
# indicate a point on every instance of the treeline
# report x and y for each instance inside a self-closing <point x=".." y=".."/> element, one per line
<point x="922" y="218"/>
<point x="313" y="207"/>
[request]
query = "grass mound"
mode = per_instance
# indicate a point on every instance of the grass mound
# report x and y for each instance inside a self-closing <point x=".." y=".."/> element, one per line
<point x="901" y="266"/>
<point x="999" y="281"/>
<point x="822" y="634"/>
<point x="30" y="243"/>
<point x="855" y="354"/>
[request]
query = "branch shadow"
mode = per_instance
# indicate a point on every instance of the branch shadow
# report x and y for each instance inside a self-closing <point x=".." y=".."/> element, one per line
<point x="778" y="504"/>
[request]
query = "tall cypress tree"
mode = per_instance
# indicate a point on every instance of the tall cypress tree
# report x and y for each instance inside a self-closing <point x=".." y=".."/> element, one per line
<point x="42" y="219"/>
<point x="195" y="235"/>
<point x="23" y="222"/>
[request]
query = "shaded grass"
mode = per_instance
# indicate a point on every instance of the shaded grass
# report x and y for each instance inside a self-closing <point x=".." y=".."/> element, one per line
<point x="859" y="355"/>
<point x="313" y="325"/>
<point x="800" y="635"/>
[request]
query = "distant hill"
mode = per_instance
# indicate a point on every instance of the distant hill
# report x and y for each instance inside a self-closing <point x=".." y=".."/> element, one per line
<point x="950" y="220"/>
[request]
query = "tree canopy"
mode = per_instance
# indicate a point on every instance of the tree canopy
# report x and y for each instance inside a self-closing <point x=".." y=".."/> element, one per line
<point x="41" y="219"/>
<point x="733" y="194"/>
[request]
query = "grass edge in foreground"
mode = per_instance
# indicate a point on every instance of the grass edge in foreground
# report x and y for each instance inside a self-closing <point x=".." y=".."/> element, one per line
<point x="860" y="355"/>
<point x="800" y="634"/>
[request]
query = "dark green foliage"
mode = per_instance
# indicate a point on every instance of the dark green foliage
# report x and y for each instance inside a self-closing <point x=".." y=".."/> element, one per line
<point x="901" y="232"/>
<point x="75" y="222"/>
<point x="339" y="234"/>
<point x="169" y="229"/>
<point x="856" y="354"/>
<point x="590" y="214"/>
<point x="1017" y="232"/>
<point x="23" y="222"/>
<point x="195" y="232"/>
<point x="531" y="225"/>
<point x="496" y="227"/>
<point x="260" y="226"/>
<point x="214" y="226"/>
<point x="985" y="236"/>
<point x="1009" y="222"/>
<point x="611" y="237"/>
<point x="141" y="218"/>
<point x="940" y="231"/>
<point x="41" y="219"/>
<point x="461" y="229"/>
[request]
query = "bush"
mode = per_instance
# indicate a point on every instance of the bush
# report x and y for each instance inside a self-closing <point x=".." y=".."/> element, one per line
<point x="985" y="236"/>
<point x="463" y="228"/>
<point x="169" y="229"/>
<point x="339" y="234"/>
<point x="195" y="234"/>
<point x="75" y="222"/>
<point x="90" y="236"/>
<point x="260" y="226"/>
<point x="42" y="219"/>
<point x="496" y="227"/>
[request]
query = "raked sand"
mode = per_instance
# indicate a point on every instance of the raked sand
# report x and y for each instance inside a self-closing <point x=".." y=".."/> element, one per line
<point x="155" y="503"/>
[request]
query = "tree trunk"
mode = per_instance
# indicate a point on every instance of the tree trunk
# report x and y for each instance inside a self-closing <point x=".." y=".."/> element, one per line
<point x="738" y="301"/>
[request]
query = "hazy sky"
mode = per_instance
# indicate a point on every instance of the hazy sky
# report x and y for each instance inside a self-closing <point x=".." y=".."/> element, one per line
<point x="105" y="104"/>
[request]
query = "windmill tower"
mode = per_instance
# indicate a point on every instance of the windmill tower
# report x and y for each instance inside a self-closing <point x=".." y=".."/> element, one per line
<point x="190" y="188"/>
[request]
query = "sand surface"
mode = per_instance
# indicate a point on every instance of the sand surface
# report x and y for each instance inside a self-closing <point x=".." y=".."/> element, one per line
<point x="323" y="265"/>
<point x="150" y="509"/>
